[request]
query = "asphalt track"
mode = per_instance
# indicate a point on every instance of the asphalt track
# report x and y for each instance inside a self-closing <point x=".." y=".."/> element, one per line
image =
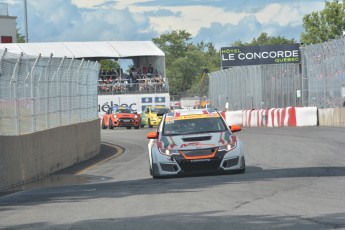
<point x="295" y="179"/>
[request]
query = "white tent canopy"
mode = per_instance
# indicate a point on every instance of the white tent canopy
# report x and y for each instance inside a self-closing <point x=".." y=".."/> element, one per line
<point x="141" y="52"/>
<point x="93" y="50"/>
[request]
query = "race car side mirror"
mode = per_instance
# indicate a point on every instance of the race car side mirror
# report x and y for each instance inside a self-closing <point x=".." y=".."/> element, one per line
<point x="152" y="135"/>
<point x="235" y="128"/>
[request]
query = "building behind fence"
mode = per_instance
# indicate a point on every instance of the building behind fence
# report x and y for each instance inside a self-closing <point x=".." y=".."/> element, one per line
<point x="39" y="93"/>
<point x="318" y="81"/>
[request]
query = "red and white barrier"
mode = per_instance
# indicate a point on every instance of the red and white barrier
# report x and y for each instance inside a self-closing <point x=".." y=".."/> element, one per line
<point x="233" y="117"/>
<point x="274" y="117"/>
<point x="306" y="116"/>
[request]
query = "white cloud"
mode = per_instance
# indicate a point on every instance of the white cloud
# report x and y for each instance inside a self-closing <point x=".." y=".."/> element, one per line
<point x="286" y="13"/>
<point x="92" y="20"/>
<point x="194" y="17"/>
<point x="87" y="3"/>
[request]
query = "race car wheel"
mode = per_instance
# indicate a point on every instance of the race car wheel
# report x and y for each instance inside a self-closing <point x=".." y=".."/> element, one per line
<point x="150" y="170"/>
<point x="149" y="123"/>
<point x="111" y="124"/>
<point x="243" y="166"/>
<point x="153" y="170"/>
<point x="103" y="125"/>
<point x="136" y="127"/>
<point x="129" y="127"/>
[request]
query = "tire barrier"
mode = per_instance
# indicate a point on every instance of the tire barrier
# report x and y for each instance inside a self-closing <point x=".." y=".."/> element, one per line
<point x="273" y="117"/>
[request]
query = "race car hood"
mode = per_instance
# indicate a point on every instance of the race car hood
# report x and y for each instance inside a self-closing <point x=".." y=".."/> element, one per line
<point x="194" y="141"/>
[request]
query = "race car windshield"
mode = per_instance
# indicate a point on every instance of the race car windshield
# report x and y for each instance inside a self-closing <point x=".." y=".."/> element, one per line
<point x="160" y="110"/>
<point x="192" y="126"/>
<point x="124" y="111"/>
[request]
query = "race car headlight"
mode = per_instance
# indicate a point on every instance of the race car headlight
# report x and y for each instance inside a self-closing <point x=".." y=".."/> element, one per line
<point x="168" y="152"/>
<point x="230" y="145"/>
<point x="135" y="116"/>
<point x="115" y="116"/>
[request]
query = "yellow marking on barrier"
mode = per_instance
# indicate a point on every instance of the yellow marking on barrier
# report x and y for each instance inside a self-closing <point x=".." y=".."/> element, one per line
<point x="119" y="151"/>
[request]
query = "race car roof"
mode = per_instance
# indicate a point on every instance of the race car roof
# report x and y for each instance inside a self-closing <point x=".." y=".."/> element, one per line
<point x="97" y="49"/>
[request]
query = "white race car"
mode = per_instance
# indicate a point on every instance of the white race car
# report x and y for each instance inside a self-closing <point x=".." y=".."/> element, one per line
<point x="194" y="142"/>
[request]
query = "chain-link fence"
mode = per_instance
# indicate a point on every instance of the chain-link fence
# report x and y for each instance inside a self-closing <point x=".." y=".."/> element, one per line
<point x="324" y="74"/>
<point x="39" y="93"/>
<point x="260" y="86"/>
<point x="318" y="81"/>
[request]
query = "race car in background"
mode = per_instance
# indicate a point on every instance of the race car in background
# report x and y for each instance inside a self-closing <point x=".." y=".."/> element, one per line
<point x="193" y="142"/>
<point x="119" y="116"/>
<point x="152" y="115"/>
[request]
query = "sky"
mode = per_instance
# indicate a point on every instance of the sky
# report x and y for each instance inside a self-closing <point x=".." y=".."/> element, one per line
<point x="221" y="22"/>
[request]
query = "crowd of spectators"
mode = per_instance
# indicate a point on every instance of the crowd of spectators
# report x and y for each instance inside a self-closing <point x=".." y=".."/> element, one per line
<point x="144" y="79"/>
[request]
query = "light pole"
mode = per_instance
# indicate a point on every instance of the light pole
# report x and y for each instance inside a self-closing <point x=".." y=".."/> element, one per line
<point x="26" y="22"/>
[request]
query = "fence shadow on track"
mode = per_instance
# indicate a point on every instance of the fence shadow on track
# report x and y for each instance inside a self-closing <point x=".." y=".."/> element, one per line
<point x="200" y="220"/>
<point x="120" y="189"/>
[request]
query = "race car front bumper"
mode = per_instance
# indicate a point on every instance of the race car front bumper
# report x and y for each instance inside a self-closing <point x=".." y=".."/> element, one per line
<point x="177" y="164"/>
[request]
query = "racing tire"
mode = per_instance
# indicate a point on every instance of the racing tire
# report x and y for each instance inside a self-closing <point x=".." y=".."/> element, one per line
<point x="111" y="124"/>
<point x="136" y="127"/>
<point x="103" y="125"/>
<point x="149" y="123"/>
<point x="128" y="127"/>
<point x="153" y="170"/>
<point x="243" y="166"/>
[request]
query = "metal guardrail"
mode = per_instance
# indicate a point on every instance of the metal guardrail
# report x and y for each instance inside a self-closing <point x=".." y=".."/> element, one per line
<point x="127" y="87"/>
<point x="38" y="93"/>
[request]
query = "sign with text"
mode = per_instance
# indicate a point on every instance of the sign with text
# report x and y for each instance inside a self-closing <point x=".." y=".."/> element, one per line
<point x="260" y="55"/>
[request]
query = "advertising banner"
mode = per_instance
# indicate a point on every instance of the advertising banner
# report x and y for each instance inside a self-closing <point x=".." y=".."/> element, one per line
<point x="136" y="102"/>
<point x="260" y="55"/>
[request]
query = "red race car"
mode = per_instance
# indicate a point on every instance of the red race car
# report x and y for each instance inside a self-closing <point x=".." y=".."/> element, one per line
<point x="118" y="116"/>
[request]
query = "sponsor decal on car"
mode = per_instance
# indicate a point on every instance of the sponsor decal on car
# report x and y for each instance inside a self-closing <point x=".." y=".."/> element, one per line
<point x="187" y="117"/>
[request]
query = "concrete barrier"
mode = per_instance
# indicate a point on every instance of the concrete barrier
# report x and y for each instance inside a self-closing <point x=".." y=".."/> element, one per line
<point x="332" y="117"/>
<point x="28" y="157"/>
<point x="306" y="116"/>
<point x="233" y="117"/>
<point x="274" y="117"/>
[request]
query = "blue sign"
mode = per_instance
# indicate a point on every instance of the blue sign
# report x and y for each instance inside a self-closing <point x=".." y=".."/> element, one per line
<point x="159" y="99"/>
<point x="146" y="100"/>
<point x="143" y="107"/>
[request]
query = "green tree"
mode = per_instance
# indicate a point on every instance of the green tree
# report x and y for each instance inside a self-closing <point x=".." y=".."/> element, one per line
<point x="324" y="25"/>
<point x="186" y="62"/>
<point x="174" y="44"/>
<point x="210" y="62"/>
<point x="108" y="64"/>
<point x="20" y="37"/>
<point x="264" y="39"/>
